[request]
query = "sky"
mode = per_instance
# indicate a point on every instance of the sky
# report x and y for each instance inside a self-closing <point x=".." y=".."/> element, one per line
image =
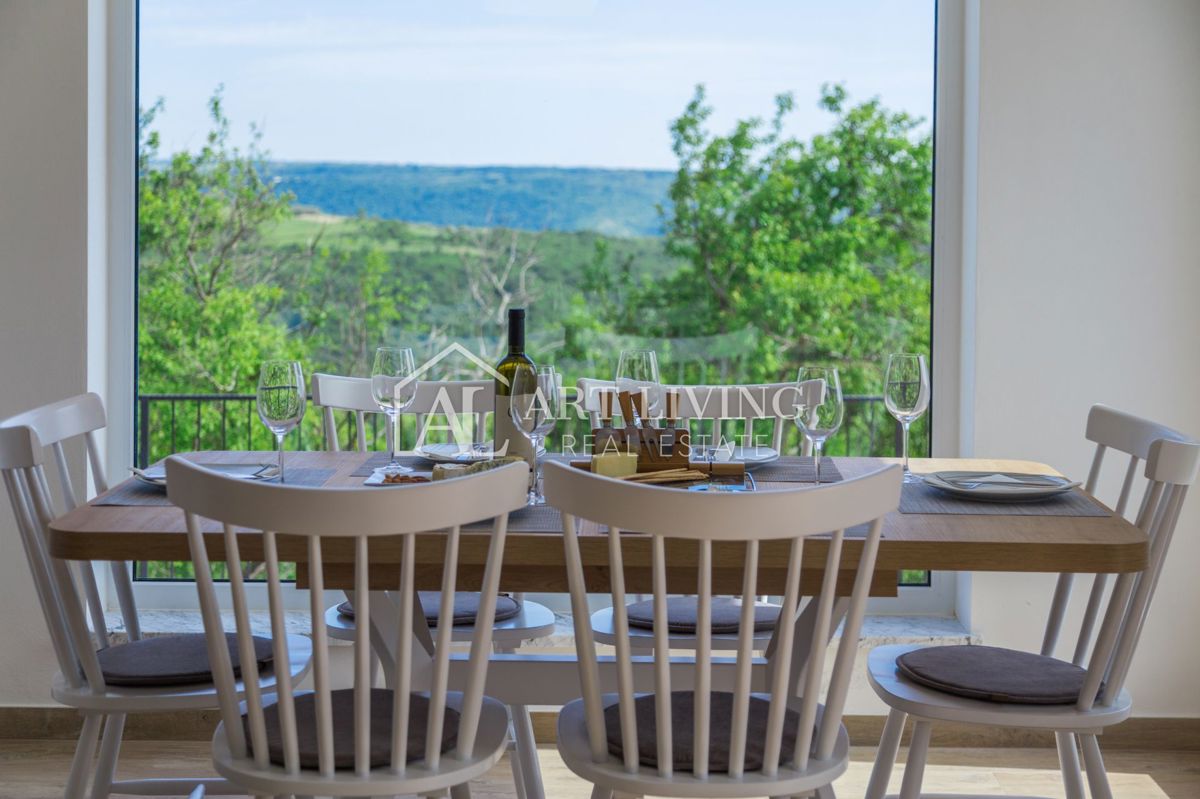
<point x="517" y="82"/>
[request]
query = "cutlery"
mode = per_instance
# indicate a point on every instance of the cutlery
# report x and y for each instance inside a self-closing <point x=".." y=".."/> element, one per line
<point x="971" y="484"/>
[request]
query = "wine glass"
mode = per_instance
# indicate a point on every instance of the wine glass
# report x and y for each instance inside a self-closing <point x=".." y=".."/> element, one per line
<point x="637" y="372"/>
<point x="535" y="404"/>
<point x="281" y="400"/>
<point x="819" y="416"/>
<point x="906" y="395"/>
<point x="393" y="386"/>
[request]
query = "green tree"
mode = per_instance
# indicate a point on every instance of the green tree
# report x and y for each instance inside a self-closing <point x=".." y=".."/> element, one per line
<point x="821" y="246"/>
<point x="207" y="295"/>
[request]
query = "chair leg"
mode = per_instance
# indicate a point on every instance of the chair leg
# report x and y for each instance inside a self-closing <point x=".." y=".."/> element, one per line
<point x="1096" y="774"/>
<point x="914" y="767"/>
<point x="885" y="757"/>
<point x="1068" y="762"/>
<point x="461" y="791"/>
<point x="599" y="792"/>
<point x="81" y="764"/>
<point x="531" y="771"/>
<point x="110" y="749"/>
<point x="515" y="761"/>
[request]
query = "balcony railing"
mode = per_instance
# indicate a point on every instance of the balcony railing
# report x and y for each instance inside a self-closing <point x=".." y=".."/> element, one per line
<point x="169" y="423"/>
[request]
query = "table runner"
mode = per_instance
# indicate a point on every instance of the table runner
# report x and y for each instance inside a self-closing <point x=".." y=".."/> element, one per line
<point x="920" y="498"/>
<point x="134" y="492"/>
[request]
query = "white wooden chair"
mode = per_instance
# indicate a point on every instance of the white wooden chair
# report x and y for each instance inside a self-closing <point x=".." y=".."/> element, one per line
<point x="353" y="394"/>
<point x="762" y="734"/>
<point x="358" y="741"/>
<point x="454" y="399"/>
<point x="1092" y="683"/>
<point x="714" y="405"/>
<point x="104" y="682"/>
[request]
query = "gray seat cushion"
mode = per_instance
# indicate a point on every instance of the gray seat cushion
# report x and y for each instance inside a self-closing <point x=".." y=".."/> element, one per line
<point x="994" y="674"/>
<point x="466" y="607"/>
<point x="683" y="731"/>
<point x="171" y="660"/>
<point x="343" y="728"/>
<point x="682" y="611"/>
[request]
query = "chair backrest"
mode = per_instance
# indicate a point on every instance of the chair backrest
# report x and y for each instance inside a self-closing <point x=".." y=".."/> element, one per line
<point x="68" y="592"/>
<point x="1171" y="460"/>
<point x="669" y="516"/>
<point x="718" y="404"/>
<point x="452" y="399"/>
<point x="353" y="515"/>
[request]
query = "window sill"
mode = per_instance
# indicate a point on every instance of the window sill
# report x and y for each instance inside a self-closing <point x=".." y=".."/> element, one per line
<point x="877" y="630"/>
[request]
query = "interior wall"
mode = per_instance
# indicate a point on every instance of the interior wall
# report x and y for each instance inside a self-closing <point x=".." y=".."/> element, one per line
<point x="43" y="272"/>
<point x="1088" y="270"/>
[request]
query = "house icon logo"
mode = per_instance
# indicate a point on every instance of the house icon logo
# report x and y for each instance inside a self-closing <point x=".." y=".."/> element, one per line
<point x="454" y="348"/>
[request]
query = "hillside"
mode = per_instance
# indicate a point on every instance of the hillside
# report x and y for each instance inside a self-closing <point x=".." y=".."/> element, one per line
<point x="615" y="202"/>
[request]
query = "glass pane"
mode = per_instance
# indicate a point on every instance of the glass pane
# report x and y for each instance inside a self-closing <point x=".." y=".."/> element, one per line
<point x="742" y="192"/>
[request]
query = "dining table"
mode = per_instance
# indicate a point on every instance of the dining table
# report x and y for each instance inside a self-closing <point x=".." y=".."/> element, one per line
<point x="921" y="535"/>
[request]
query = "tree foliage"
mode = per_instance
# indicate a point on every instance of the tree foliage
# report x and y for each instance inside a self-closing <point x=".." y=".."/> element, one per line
<point x="820" y="246"/>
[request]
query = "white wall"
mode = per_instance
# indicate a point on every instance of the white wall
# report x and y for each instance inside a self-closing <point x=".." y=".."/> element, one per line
<point x="1088" y="270"/>
<point x="43" y="274"/>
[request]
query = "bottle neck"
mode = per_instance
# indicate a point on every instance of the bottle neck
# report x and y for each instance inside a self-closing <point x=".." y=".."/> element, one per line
<point x="516" y="335"/>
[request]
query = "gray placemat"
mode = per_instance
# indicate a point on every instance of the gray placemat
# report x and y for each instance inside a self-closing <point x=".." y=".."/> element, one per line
<point x="796" y="469"/>
<point x="134" y="492"/>
<point x="382" y="459"/>
<point x="530" y="519"/>
<point x="920" y="498"/>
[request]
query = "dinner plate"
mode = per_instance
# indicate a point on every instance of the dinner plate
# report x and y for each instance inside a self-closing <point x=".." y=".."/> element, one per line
<point x="156" y="475"/>
<point x="750" y="456"/>
<point x="453" y="453"/>
<point x="999" y="486"/>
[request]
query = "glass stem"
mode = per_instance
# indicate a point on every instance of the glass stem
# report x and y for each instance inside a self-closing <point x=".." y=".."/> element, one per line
<point x="535" y="490"/>
<point x="393" y="418"/>
<point x="905" y="445"/>
<point x="279" y="443"/>
<point x="817" y="447"/>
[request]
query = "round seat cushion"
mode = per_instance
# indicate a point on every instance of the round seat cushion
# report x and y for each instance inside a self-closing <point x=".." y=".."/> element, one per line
<point x="466" y="607"/>
<point x="683" y="719"/>
<point x="343" y="728"/>
<point x="171" y="660"/>
<point x="682" y="612"/>
<point x="994" y="674"/>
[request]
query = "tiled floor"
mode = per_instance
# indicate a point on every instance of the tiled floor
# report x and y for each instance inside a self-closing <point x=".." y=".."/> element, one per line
<point x="37" y="769"/>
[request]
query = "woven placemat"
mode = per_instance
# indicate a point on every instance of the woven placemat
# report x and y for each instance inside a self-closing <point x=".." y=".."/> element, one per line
<point x="920" y="498"/>
<point x="530" y="519"/>
<point x="383" y="459"/>
<point x="134" y="492"/>
<point x="797" y="469"/>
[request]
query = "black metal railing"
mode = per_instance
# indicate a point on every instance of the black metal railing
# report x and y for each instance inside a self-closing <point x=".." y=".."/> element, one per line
<point x="169" y="423"/>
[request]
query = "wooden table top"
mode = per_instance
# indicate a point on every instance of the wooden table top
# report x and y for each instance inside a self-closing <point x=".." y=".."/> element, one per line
<point x="534" y="561"/>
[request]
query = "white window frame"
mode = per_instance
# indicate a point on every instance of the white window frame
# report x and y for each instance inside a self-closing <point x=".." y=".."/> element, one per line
<point x="112" y="258"/>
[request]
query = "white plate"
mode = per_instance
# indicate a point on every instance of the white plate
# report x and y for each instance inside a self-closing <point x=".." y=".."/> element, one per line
<point x="999" y="486"/>
<point x="750" y="456"/>
<point x="453" y="453"/>
<point x="156" y="475"/>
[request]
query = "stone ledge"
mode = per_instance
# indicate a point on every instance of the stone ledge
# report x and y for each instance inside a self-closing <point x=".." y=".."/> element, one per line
<point x="877" y="630"/>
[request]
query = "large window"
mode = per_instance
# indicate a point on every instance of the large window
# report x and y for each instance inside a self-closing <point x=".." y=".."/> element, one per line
<point x="743" y="188"/>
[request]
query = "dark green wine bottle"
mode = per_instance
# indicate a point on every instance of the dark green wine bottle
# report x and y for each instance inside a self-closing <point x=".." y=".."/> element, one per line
<point x="507" y="439"/>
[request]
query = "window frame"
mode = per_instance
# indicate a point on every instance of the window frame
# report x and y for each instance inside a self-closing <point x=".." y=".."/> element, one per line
<point x="113" y="109"/>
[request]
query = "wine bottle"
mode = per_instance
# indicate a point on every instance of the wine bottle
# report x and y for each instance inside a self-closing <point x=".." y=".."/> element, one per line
<point x="507" y="439"/>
